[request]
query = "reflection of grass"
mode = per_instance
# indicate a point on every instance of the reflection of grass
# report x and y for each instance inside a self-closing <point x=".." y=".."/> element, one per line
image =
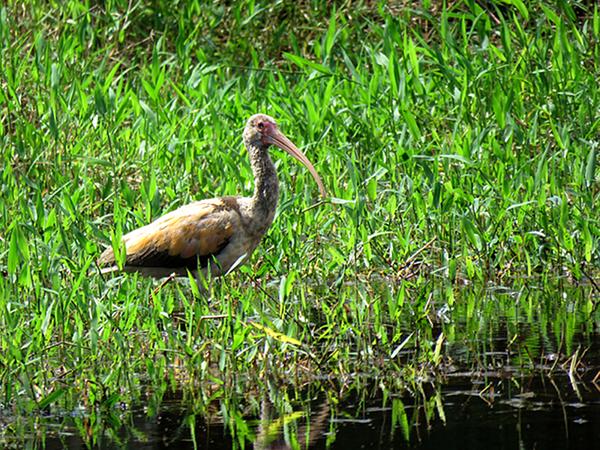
<point x="458" y="146"/>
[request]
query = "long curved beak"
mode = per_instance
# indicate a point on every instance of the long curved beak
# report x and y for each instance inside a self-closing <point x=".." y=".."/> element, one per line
<point x="277" y="138"/>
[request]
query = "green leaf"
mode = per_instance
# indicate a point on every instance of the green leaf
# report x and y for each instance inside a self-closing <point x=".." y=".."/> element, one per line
<point x="372" y="189"/>
<point x="149" y="90"/>
<point x="412" y="123"/>
<point x="330" y="36"/>
<point x="590" y="167"/>
<point x="149" y="112"/>
<point x="550" y="15"/>
<point x="438" y="349"/>
<point x="276" y="335"/>
<point x="393" y="73"/>
<point x="99" y="101"/>
<point x="412" y="56"/>
<point x="471" y="233"/>
<point x="51" y="398"/>
<point x="13" y="252"/>
<point x="54" y="76"/>
<point x="289" y="282"/>
<point x="351" y="68"/>
<point x="588" y="242"/>
<point x="305" y="63"/>
<point x="400" y="418"/>
<point x="520" y="6"/>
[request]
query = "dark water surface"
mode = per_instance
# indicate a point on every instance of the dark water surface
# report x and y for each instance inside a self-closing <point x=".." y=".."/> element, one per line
<point x="526" y="413"/>
<point x="518" y="381"/>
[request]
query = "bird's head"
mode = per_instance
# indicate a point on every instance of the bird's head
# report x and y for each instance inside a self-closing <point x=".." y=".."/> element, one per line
<point x="262" y="130"/>
<point x="259" y="130"/>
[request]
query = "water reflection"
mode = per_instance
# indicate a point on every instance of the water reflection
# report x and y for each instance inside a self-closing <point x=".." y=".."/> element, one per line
<point x="465" y="411"/>
<point x="302" y="430"/>
<point x="516" y="371"/>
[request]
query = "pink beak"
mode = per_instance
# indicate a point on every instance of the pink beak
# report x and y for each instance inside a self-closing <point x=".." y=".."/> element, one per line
<point x="277" y="138"/>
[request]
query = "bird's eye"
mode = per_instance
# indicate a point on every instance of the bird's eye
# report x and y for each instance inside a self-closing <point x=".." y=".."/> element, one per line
<point x="261" y="126"/>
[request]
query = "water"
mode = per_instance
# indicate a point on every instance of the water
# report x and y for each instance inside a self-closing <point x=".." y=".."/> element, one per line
<point x="534" y="412"/>
<point x="513" y="377"/>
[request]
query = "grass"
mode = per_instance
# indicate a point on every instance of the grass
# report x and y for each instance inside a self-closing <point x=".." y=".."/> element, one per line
<point x="459" y="145"/>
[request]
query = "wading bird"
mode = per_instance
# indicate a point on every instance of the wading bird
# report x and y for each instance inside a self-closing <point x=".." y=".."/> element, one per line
<point x="213" y="235"/>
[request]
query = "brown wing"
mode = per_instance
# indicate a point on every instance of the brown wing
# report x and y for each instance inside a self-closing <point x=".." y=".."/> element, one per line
<point x="188" y="237"/>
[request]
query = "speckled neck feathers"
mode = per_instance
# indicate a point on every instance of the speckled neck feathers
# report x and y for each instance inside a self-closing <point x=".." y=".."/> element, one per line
<point x="266" y="189"/>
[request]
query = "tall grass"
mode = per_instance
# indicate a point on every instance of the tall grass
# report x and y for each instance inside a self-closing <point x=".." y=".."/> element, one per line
<point x="459" y="145"/>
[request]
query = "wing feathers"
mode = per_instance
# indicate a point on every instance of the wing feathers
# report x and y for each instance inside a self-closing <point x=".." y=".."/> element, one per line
<point x="188" y="237"/>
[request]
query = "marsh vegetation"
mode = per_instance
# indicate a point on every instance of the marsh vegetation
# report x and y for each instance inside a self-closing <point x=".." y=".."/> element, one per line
<point x="456" y="261"/>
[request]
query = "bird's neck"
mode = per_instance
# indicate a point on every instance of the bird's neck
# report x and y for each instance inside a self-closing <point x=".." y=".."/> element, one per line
<point x="266" y="189"/>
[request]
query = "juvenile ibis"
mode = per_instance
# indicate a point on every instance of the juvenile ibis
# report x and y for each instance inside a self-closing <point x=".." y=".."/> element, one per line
<point x="213" y="234"/>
